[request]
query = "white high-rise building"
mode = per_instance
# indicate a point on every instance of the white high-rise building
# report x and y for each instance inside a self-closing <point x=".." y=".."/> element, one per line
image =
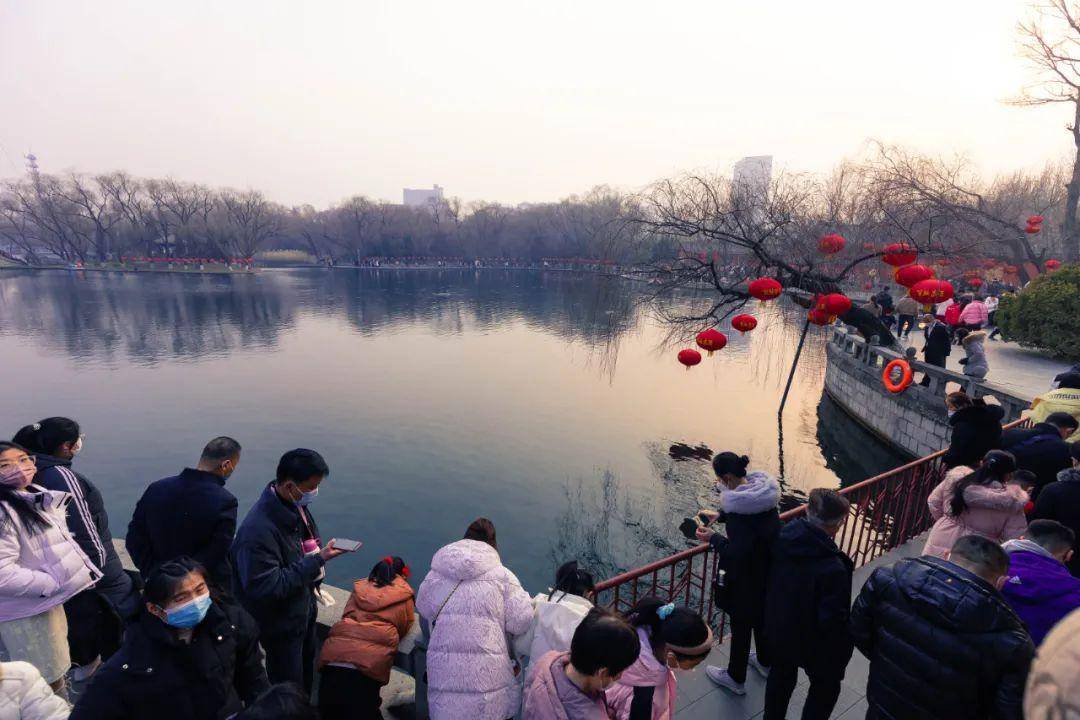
<point x="754" y="171"/>
<point x="422" y="197"/>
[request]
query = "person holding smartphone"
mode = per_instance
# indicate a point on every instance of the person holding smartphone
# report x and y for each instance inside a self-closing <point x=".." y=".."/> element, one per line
<point x="278" y="561"/>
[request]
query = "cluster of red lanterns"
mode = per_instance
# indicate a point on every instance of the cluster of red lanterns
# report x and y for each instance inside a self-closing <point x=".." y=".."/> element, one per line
<point x="1034" y="224"/>
<point x="190" y="261"/>
<point x="831" y="244"/>
<point x="828" y="307"/>
<point x="712" y="340"/>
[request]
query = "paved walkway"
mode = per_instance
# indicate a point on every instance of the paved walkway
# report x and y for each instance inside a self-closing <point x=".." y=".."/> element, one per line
<point x="699" y="698"/>
<point x="1023" y="371"/>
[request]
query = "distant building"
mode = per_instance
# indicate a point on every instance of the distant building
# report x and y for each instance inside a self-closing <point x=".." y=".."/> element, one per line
<point x="423" y="197"/>
<point x="754" y="171"/>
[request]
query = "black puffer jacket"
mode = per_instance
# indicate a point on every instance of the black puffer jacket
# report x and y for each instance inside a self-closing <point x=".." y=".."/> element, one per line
<point x="942" y="643"/>
<point x="1039" y="449"/>
<point x="752" y="523"/>
<point x="89" y="525"/>
<point x="156" y="677"/>
<point x="808" y="600"/>
<point x="1060" y="501"/>
<point x="976" y="430"/>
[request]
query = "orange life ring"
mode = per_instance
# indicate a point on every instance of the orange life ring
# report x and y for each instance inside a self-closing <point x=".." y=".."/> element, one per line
<point x="905" y="378"/>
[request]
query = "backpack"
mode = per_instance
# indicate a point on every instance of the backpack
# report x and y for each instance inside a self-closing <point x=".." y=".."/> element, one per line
<point x="952" y="315"/>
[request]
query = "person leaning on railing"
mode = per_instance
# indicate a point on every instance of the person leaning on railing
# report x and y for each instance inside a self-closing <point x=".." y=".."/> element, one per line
<point x="748" y="504"/>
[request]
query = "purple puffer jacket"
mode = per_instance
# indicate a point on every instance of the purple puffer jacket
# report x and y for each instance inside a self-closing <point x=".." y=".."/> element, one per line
<point x="551" y="695"/>
<point x="477" y="603"/>
<point x="1040" y="588"/>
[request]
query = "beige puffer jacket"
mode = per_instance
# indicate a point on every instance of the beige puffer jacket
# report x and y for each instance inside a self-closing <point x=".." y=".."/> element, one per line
<point x="1053" y="686"/>
<point x="24" y="695"/>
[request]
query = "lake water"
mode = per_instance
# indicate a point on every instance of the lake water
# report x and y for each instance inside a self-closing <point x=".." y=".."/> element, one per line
<point x="550" y="402"/>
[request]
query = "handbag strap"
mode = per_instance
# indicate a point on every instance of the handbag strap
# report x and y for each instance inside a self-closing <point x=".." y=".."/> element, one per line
<point x="439" y="611"/>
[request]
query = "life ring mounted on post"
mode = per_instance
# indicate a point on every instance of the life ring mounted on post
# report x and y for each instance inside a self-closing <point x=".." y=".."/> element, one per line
<point x="905" y="376"/>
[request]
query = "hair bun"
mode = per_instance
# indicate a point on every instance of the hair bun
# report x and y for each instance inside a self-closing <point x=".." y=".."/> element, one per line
<point x="744" y="461"/>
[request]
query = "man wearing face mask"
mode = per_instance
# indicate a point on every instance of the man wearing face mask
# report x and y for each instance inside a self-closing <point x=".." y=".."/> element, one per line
<point x="190" y="514"/>
<point x="186" y="657"/>
<point x="278" y="560"/>
<point x="941" y="640"/>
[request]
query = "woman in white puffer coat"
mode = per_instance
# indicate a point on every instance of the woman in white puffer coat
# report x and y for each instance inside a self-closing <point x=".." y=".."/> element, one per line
<point x="472" y="604"/>
<point x="41" y="566"/>
<point x="24" y="695"/>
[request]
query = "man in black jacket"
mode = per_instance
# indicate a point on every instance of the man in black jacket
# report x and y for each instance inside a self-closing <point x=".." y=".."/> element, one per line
<point x="806" y="608"/>
<point x="190" y="514"/>
<point x="941" y="641"/>
<point x="938" y="343"/>
<point x="278" y="561"/>
<point x="1042" y="448"/>
<point x="1060" y="500"/>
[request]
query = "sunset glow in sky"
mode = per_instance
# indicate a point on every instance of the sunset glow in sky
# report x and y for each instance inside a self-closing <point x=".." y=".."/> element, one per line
<point x="510" y="101"/>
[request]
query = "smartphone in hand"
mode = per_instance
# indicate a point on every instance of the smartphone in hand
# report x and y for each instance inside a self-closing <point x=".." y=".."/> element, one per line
<point x="346" y="545"/>
<point x="689" y="528"/>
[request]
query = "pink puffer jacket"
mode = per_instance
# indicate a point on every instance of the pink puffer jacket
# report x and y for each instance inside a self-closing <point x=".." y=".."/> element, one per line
<point x="470" y="674"/>
<point x="647" y="671"/>
<point x="40" y="570"/>
<point x="993" y="511"/>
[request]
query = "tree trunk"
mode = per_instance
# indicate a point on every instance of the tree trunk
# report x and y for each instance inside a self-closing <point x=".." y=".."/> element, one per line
<point x="1072" y="197"/>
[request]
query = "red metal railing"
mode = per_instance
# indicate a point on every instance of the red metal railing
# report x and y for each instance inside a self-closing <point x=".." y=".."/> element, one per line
<point x="887" y="511"/>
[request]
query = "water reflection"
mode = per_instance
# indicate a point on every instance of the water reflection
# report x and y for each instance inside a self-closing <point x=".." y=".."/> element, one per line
<point x="550" y="402"/>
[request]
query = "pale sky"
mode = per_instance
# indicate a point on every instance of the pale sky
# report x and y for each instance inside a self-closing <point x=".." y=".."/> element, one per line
<point x="504" y="100"/>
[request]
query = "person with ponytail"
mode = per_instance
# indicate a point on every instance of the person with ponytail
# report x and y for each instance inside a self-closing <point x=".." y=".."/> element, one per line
<point x="557" y="613"/>
<point x="357" y="656"/>
<point x="748" y="505"/>
<point x="94" y="616"/>
<point x="976" y="502"/>
<point x="672" y="638"/>
<point x="41" y="567"/>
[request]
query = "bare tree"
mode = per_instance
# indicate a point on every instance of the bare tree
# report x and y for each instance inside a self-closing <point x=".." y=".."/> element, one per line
<point x="1050" y="41"/>
<point x="254" y="221"/>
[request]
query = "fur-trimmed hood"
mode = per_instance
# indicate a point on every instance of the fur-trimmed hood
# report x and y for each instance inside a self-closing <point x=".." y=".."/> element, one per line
<point x="1069" y="475"/>
<point x="759" y="493"/>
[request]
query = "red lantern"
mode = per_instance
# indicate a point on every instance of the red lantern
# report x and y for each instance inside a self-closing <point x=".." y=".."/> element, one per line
<point x="911" y="274"/>
<point x="1034" y="219"/>
<point x="831" y="244"/>
<point x="819" y="316"/>
<point x="1032" y="229"/>
<point x="711" y="339"/>
<point x="689" y="357"/>
<point x="868" y="286"/>
<point x="1053" y="264"/>
<point x="975" y="282"/>
<point x="765" y="289"/>
<point x="930" y="292"/>
<point x="834" y="304"/>
<point x="899" y="254"/>
<point x="744" y="323"/>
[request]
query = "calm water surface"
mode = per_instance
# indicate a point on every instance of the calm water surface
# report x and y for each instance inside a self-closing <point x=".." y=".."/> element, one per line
<point x="549" y="402"/>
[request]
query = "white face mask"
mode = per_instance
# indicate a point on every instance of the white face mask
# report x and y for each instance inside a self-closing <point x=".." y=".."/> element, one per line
<point x="77" y="447"/>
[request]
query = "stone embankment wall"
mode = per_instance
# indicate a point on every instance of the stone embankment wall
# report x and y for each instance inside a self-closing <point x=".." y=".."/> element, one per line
<point x="913" y="421"/>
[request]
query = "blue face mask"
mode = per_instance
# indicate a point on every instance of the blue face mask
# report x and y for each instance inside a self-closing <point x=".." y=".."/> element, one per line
<point x="189" y="614"/>
<point x="307" y="498"/>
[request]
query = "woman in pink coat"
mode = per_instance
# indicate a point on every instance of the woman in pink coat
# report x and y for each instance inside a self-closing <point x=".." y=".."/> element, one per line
<point x="976" y="502"/>
<point x="672" y="638"/>
<point x="472" y="604"/>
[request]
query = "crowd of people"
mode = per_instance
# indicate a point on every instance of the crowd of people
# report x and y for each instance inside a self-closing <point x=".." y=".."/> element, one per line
<point x="219" y="619"/>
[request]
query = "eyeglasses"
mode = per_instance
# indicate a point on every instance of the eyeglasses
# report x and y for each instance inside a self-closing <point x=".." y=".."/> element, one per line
<point x="24" y="461"/>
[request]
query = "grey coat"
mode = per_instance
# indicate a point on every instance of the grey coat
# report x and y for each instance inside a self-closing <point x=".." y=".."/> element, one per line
<point x="976" y="365"/>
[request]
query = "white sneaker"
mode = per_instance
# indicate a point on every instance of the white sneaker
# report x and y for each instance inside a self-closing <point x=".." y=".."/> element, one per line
<point x="756" y="664"/>
<point x="720" y="677"/>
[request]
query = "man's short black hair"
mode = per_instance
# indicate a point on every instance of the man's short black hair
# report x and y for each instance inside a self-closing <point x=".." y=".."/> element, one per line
<point x="284" y="700"/>
<point x="984" y="557"/>
<point x="1051" y="535"/>
<point x="603" y="640"/>
<point x="300" y="465"/>
<point x="220" y="449"/>
<point x="827" y="506"/>
<point x="1069" y="380"/>
<point x="1062" y="420"/>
